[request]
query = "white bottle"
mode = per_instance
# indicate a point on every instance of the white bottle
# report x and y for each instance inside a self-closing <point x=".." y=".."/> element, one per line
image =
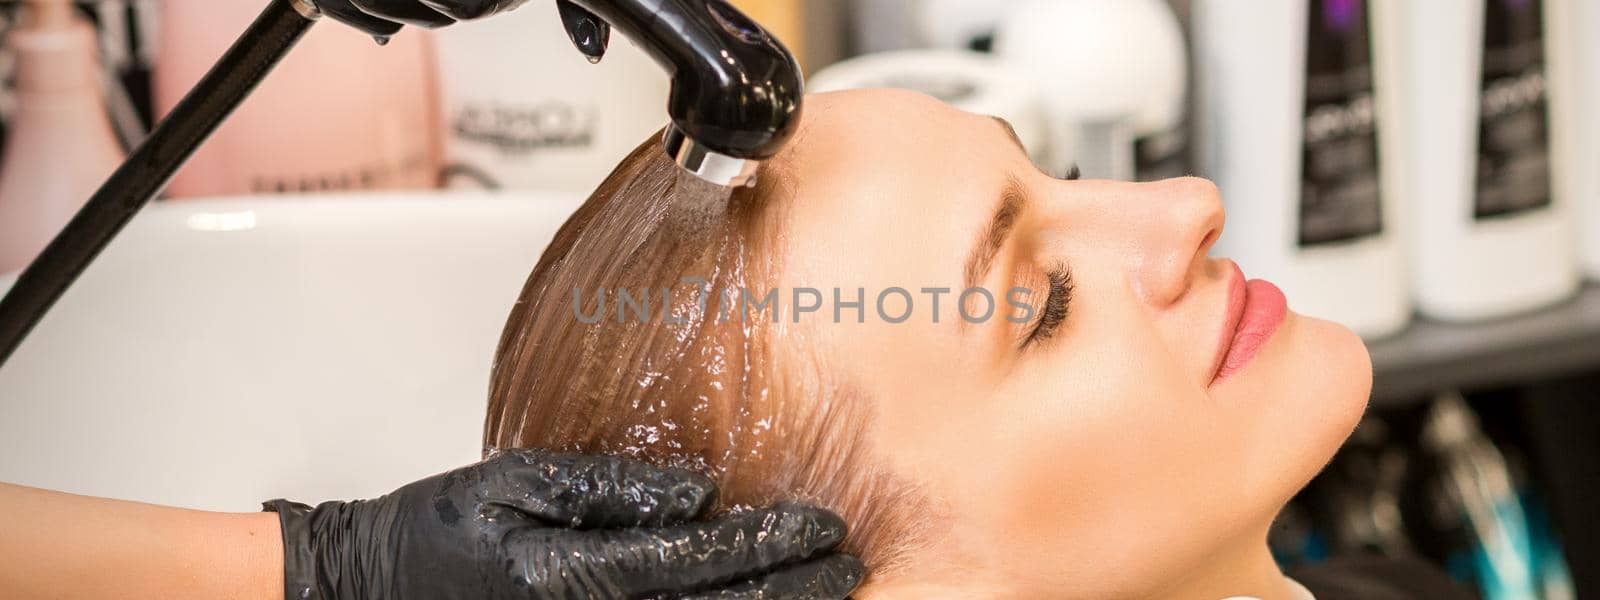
<point x="1111" y="74"/>
<point x="971" y="81"/>
<point x="1288" y="128"/>
<point x="363" y="115"/>
<point x="1465" y="80"/>
<point x="1574" y="29"/>
<point x="544" y="118"/>
<point x="881" y="25"/>
<point x="60" y="148"/>
<point x="960" y="24"/>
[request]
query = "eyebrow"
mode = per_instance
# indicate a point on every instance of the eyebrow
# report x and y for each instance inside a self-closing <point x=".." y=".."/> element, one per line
<point x="993" y="237"/>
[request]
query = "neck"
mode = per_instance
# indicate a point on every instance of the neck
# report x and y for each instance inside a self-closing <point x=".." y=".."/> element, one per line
<point x="1248" y="571"/>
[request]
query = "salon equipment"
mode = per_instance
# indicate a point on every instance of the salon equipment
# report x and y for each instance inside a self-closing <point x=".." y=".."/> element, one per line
<point x="57" y="112"/>
<point x="1574" y="94"/>
<point x="1467" y="118"/>
<point x="735" y="89"/>
<point x="882" y="26"/>
<point x="360" y="133"/>
<point x="1289" y="131"/>
<point x="213" y="327"/>
<point x="1477" y="511"/>
<point x="735" y="101"/>
<point x="1132" y="54"/>
<point x="965" y="24"/>
<point x="150" y="166"/>
<point x="522" y="133"/>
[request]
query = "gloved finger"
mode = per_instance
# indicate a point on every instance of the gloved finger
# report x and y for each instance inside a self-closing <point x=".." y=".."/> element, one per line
<point x="640" y="562"/>
<point x="593" y="492"/>
<point x="410" y="12"/>
<point x="466" y="10"/>
<point x="347" y="13"/>
<point x="828" y="578"/>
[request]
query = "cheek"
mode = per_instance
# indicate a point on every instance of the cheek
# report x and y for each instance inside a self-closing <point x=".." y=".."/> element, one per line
<point x="1098" y="453"/>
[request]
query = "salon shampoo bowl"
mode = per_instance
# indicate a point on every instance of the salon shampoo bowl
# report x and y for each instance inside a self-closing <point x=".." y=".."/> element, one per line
<point x="221" y="353"/>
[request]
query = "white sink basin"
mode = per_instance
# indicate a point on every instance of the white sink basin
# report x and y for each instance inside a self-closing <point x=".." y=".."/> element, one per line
<point x="220" y="353"/>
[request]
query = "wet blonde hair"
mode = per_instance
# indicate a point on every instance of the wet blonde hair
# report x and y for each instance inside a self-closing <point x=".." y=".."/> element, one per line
<point x="686" y="387"/>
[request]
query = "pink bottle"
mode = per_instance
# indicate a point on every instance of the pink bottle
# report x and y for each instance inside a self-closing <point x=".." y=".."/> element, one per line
<point x="61" y="147"/>
<point x="339" y="113"/>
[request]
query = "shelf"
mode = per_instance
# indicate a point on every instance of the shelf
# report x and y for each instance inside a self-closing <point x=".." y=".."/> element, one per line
<point x="1430" y="356"/>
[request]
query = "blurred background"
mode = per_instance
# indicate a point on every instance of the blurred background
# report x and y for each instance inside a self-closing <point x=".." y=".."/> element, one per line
<point x="1424" y="171"/>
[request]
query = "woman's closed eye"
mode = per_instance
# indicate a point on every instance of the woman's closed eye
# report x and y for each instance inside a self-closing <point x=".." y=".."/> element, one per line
<point x="1056" y="305"/>
<point x="1059" y="301"/>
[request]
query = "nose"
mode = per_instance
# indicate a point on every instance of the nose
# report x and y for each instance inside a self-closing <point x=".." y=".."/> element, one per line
<point x="1173" y="224"/>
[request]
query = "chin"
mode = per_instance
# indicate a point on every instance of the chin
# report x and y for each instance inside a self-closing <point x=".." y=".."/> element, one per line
<point x="1348" y="357"/>
<point x="1304" y="400"/>
<point x="1337" y="386"/>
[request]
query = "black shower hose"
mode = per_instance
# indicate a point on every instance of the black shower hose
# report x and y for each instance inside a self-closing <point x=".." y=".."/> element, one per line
<point x="148" y="169"/>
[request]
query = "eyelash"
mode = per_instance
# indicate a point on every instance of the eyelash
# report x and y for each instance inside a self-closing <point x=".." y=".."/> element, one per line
<point x="1056" y="305"/>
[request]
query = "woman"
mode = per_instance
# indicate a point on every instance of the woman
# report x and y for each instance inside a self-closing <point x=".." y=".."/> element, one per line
<point x="1125" y="423"/>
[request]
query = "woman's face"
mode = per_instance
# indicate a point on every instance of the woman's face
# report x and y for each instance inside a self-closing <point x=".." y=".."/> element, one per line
<point x="1100" y="446"/>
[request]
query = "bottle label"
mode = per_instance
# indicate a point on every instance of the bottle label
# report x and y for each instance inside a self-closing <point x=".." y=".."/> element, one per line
<point x="1339" y="192"/>
<point x="416" y="168"/>
<point x="518" y="130"/>
<point x="1513" y="135"/>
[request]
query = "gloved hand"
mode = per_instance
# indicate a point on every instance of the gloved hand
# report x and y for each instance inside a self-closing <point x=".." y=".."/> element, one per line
<point x="532" y="524"/>
<point x="385" y="17"/>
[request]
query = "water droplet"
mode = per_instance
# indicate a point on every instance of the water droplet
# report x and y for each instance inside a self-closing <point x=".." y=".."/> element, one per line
<point x="382" y="40"/>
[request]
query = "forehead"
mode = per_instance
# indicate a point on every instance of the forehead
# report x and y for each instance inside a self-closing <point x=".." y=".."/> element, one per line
<point x="877" y="126"/>
<point x="882" y="152"/>
<point x="889" y="188"/>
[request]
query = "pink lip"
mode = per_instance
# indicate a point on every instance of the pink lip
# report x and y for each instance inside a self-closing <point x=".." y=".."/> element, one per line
<point x="1255" y="310"/>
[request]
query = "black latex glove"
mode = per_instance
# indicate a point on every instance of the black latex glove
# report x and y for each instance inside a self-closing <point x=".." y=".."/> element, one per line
<point x="385" y="17"/>
<point x="530" y="524"/>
